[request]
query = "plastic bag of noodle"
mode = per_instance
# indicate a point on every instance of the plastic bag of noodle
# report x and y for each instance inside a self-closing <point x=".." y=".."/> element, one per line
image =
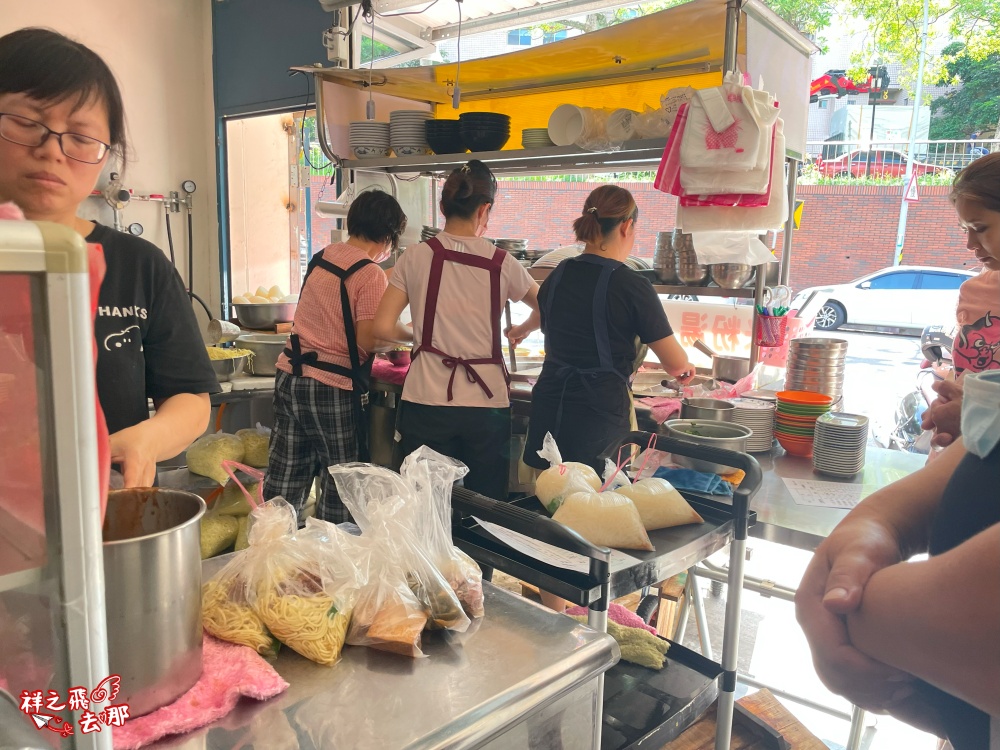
<point x="306" y="589"/>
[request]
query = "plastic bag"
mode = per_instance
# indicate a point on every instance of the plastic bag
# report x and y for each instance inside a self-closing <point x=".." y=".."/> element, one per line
<point x="652" y="123"/>
<point x="433" y="475"/>
<point x="607" y="519"/>
<point x="730" y="247"/>
<point x="672" y="101"/>
<point x="384" y="505"/>
<point x="561" y="479"/>
<point x="228" y="599"/>
<point x="306" y="590"/>
<point x="206" y="454"/>
<point x="256" y="442"/>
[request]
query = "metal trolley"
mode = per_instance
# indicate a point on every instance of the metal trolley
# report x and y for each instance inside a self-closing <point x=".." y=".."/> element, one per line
<point x="727" y="521"/>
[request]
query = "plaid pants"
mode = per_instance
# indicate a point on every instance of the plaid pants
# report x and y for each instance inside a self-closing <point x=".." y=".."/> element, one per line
<point x="314" y="428"/>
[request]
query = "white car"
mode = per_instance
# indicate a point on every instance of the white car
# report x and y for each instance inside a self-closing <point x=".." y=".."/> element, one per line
<point x="899" y="297"/>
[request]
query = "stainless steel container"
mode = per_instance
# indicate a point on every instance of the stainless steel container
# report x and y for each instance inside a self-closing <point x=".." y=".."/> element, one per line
<point x="152" y="581"/>
<point x="731" y="275"/>
<point x="266" y="315"/>
<point x="726" y="435"/>
<point x="689" y="270"/>
<point x="714" y="409"/>
<point x="227" y="369"/>
<point x="266" y="348"/>
<point x="665" y="258"/>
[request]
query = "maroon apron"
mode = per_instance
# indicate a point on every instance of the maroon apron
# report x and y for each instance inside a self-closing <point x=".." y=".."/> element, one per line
<point x="452" y="362"/>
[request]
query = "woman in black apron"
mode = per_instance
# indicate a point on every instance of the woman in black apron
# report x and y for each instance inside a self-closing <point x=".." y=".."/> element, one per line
<point x="595" y="313"/>
<point x="456" y="396"/>
<point x="321" y="388"/>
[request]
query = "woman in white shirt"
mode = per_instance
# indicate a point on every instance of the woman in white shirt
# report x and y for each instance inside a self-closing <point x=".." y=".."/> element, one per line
<point x="455" y="399"/>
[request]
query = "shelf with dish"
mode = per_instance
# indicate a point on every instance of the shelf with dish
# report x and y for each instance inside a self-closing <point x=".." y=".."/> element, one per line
<point x="540" y="274"/>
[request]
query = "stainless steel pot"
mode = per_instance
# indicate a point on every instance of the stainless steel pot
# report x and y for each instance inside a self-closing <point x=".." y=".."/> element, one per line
<point x="152" y="581"/>
<point x="730" y="369"/>
<point x="714" y="409"/>
<point x="266" y="348"/>
<point x="726" y="435"/>
<point x="265" y="315"/>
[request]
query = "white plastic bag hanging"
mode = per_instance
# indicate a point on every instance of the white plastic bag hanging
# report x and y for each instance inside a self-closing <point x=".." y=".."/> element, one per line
<point x="730" y="247"/>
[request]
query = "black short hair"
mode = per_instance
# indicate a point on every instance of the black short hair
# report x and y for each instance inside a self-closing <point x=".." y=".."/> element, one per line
<point x="377" y="217"/>
<point x="51" y="67"/>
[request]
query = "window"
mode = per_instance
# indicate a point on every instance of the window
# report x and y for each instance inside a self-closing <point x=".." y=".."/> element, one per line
<point x="901" y="280"/>
<point x="941" y="280"/>
<point x="861" y="157"/>
<point x="824" y="103"/>
<point x="553" y="36"/>
<point x="519" y="37"/>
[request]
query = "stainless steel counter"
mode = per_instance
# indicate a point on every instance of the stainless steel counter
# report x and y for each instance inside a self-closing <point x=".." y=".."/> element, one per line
<point x="525" y="678"/>
<point x="780" y="519"/>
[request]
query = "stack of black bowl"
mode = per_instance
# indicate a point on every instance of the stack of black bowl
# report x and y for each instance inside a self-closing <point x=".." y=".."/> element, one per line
<point x="484" y="131"/>
<point x="445" y="136"/>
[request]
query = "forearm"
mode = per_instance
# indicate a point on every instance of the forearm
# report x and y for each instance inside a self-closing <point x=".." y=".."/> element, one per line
<point x="906" y="507"/>
<point x="178" y="422"/>
<point x="671" y="355"/>
<point x="400" y="334"/>
<point x="938" y="619"/>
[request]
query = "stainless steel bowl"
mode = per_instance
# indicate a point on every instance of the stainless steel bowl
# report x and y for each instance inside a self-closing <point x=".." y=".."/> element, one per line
<point x="266" y="348"/>
<point x="152" y="584"/>
<point x="726" y="435"/>
<point x="692" y="274"/>
<point x="732" y="275"/>
<point x="714" y="409"/>
<point x="227" y="369"/>
<point x="265" y="316"/>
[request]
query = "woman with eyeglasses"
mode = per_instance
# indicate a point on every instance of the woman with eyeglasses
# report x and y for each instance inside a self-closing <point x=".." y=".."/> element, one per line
<point x="61" y="119"/>
<point x="596" y="313"/>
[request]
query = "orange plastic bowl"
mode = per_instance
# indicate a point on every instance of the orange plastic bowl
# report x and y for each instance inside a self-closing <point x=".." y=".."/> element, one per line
<point x="802" y="448"/>
<point x="804" y="397"/>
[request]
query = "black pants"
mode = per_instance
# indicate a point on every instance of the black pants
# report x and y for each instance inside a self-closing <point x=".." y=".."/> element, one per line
<point x="479" y="437"/>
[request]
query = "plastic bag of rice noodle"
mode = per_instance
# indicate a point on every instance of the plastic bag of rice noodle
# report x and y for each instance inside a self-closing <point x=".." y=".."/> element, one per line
<point x="256" y="441"/>
<point x="660" y="506"/>
<point x="561" y="478"/>
<point x="607" y="519"/>
<point x="206" y="454"/>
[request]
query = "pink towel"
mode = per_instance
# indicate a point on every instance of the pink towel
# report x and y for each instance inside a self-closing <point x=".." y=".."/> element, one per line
<point x="617" y="614"/>
<point x="386" y="371"/>
<point x="228" y="673"/>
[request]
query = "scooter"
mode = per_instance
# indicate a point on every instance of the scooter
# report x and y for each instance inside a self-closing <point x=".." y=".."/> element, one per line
<point x="906" y="433"/>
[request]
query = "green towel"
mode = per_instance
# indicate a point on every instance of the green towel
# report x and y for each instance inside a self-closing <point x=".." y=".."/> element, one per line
<point x="637" y="645"/>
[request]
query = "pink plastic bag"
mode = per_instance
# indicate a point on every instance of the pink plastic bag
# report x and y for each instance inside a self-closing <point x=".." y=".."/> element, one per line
<point x="668" y="176"/>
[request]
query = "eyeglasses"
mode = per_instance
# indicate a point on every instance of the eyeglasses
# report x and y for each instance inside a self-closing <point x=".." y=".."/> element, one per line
<point x="26" y="132"/>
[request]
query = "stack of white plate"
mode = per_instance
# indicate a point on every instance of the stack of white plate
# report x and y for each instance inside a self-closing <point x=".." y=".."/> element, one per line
<point x="536" y="138"/>
<point x="817" y="365"/>
<point x="369" y="139"/>
<point x="427" y="232"/>
<point x="407" y="132"/>
<point x="840" y="444"/>
<point x="759" y="417"/>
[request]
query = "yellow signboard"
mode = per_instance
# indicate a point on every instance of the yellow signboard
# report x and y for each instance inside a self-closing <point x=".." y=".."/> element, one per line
<point x="797" y="216"/>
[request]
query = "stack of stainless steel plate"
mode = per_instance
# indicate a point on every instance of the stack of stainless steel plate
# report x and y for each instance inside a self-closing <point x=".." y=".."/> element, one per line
<point x="427" y="232"/>
<point x="517" y="248"/>
<point x="817" y="365"/>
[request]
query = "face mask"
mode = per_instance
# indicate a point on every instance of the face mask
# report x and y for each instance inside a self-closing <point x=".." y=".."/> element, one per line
<point x="981" y="412"/>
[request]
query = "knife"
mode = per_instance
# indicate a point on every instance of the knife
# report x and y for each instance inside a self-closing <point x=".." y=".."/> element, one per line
<point x="510" y="344"/>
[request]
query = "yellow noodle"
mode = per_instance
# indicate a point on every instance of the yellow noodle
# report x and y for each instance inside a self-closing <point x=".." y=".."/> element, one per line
<point x="231" y="621"/>
<point x="311" y="625"/>
<point x="215" y="352"/>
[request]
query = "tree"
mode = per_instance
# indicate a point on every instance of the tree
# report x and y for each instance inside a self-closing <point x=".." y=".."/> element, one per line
<point x="973" y="108"/>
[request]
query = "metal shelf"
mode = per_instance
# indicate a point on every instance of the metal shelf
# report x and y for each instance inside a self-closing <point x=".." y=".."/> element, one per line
<point x="540" y="274"/>
<point x="633" y="155"/>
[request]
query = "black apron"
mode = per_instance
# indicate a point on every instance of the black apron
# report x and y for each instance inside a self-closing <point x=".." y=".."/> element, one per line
<point x="582" y="432"/>
<point x="359" y="374"/>
<point x="968" y="506"/>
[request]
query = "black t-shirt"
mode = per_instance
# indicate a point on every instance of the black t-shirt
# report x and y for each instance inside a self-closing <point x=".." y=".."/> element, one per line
<point x="148" y="341"/>
<point x="634" y="313"/>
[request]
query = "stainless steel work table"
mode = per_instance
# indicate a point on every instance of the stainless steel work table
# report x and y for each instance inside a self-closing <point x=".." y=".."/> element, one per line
<point x="525" y="675"/>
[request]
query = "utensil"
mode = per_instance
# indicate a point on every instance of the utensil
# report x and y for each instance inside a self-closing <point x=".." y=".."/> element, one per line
<point x="726" y="435"/>
<point x="265" y="316"/>
<point x="713" y="409"/>
<point x="731" y="275"/>
<point x="510" y="344"/>
<point x="730" y="369"/>
<point x="222" y="331"/>
<point x="152" y="584"/>
<point x="399" y="357"/>
<point x="266" y="348"/>
<point x="227" y="369"/>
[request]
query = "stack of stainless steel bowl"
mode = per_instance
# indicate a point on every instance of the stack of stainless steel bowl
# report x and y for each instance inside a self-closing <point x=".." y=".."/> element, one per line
<point x="516" y="247"/>
<point x="817" y="365"/>
<point x="427" y="232"/>
<point x="689" y="270"/>
<point x="665" y="258"/>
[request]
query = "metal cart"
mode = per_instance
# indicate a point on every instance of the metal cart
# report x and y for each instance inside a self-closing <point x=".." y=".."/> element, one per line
<point x="675" y="549"/>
